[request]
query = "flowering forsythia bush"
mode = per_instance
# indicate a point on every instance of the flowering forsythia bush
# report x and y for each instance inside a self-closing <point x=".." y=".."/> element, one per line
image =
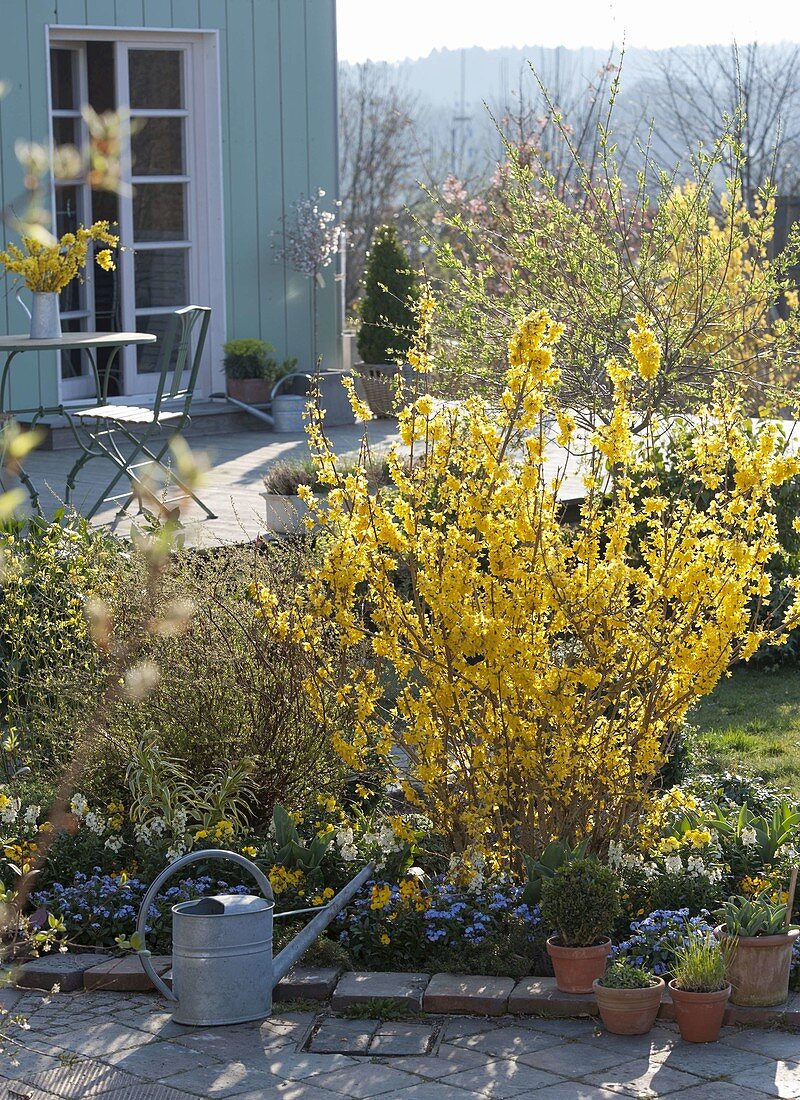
<point x="540" y="666"/>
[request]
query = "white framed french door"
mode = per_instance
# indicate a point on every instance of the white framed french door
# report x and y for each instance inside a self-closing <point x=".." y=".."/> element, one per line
<point x="169" y="205"/>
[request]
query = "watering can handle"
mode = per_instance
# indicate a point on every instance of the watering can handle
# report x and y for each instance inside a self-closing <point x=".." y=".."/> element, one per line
<point x="184" y="861"/>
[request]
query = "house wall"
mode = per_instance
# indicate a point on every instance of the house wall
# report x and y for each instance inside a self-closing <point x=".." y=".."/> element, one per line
<point x="278" y="80"/>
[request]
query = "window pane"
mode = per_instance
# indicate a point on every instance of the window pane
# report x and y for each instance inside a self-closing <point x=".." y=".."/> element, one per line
<point x="149" y="355"/>
<point x="158" y="147"/>
<point x="67" y="131"/>
<point x="159" y="212"/>
<point x="161" y="278"/>
<point x="62" y="79"/>
<point x="73" y="363"/>
<point x="155" y="78"/>
<point x="68" y="209"/>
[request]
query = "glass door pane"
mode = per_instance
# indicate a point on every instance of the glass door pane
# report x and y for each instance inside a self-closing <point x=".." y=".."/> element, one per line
<point x="158" y="216"/>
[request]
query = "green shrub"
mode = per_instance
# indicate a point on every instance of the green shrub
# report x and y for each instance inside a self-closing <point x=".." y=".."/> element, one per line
<point x="50" y="671"/>
<point x="253" y="359"/>
<point x="581" y="902"/>
<point x="390" y="293"/>
<point x="228" y="691"/>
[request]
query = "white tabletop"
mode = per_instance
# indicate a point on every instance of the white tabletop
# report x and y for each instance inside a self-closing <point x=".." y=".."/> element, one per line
<point x="70" y="340"/>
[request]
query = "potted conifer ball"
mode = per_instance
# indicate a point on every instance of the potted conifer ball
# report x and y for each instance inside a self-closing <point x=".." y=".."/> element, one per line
<point x="581" y="902"/>
<point x="387" y="317"/>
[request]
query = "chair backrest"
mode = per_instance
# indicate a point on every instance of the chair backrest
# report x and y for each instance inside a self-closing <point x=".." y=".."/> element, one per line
<point x="181" y="351"/>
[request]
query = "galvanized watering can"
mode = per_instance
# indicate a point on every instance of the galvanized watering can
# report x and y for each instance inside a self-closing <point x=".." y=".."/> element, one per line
<point x="223" y="971"/>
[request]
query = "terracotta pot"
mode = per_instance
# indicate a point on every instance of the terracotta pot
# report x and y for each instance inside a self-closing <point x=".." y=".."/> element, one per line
<point x="576" y="968"/>
<point x="628" y="1011"/>
<point x="758" y="967"/>
<point x="699" y="1015"/>
<point x="253" y="391"/>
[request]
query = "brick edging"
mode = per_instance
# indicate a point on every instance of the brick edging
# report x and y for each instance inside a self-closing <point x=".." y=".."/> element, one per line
<point x="450" y="994"/>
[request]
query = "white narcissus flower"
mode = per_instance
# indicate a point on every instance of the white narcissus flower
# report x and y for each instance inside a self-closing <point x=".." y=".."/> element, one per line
<point x="749" y="837"/>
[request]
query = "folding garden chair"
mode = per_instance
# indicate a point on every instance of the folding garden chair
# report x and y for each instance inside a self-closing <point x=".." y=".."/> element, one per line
<point x="97" y="429"/>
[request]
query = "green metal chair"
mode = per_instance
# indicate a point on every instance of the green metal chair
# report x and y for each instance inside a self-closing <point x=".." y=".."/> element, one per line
<point x="97" y="429"/>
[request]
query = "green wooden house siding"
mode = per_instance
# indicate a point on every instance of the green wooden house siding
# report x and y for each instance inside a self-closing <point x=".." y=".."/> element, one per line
<point x="277" y="65"/>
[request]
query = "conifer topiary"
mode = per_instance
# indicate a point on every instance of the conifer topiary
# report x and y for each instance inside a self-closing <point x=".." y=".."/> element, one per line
<point x="390" y="293"/>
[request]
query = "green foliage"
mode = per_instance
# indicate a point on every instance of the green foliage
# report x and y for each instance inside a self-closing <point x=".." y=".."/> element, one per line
<point x="753" y="842"/>
<point x="757" y="916"/>
<point x="624" y="975"/>
<point x="253" y="359"/>
<point x="287" y="849"/>
<point x="228" y="690"/>
<point x="50" y="671"/>
<point x="701" y="965"/>
<point x="160" y="786"/>
<point x="390" y="293"/>
<point x="379" y="1008"/>
<point x="555" y="855"/>
<point x="581" y="902"/>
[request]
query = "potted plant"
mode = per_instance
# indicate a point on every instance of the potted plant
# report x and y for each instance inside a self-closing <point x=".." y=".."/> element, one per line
<point x="388" y="320"/>
<point x="628" y="997"/>
<point x="251" y="370"/>
<point x="699" y="988"/>
<point x="581" y="902"/>
<point x="760" y="944"/>
<point x="285" y="510"/>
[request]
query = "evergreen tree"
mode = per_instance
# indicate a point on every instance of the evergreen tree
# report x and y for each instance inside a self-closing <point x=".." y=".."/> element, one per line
<point x="390" y="293"/>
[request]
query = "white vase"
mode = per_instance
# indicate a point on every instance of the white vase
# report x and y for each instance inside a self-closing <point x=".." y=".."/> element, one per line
<point x="45" y="316"/>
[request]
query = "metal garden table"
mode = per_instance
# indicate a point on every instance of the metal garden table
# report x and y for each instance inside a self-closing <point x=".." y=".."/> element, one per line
<point x="90" y="342"/>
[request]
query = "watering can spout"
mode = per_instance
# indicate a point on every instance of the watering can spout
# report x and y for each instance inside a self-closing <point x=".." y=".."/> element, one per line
<point x="304" y="939"/>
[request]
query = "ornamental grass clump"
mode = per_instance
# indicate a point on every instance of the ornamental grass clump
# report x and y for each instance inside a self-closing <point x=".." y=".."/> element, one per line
<point x="700" y="966"/>
<point x="581" y="902"/>
<point x="538" y="668"/>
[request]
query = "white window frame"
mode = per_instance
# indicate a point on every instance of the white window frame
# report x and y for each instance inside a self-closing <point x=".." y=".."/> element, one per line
<point x="204" y="194"/>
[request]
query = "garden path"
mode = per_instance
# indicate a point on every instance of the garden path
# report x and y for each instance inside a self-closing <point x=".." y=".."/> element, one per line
<point x="125" y="1047"/>
<point x="238" y="461"/>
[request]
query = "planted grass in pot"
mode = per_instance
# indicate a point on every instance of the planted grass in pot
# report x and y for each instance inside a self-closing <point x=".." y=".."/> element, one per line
<point x="581" y="901"/>
<point x="700" y="988"/>
<point x="628" y="998"/>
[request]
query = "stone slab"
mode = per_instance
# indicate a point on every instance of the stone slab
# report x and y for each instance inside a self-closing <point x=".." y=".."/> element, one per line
<point x="404" y="990"/>
<point x="541" y="997"/>
<point x="307" y="984"/>
<point x="335" y="1036"/>
<point x="468" y="994"/>
<point x="398" y="1040"/>
<point x="125" y="974"/>
<point x="66" y="971"/>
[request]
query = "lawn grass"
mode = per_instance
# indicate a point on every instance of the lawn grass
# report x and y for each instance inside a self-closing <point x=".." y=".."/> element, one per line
<point x="751" y="724"/>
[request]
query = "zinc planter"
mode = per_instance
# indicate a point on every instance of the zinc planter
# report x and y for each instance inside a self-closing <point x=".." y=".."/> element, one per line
<point x="758" y="967"/>
<point x="699" y="1015"/>
<point x="628" y="1011"/>
<point x="285" y="515"/>
<point x="45" y="316"/>
<point x="576" y="968"/>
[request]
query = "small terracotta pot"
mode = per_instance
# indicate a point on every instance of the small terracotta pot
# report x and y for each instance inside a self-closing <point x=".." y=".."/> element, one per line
<point x="576" y="968"/>
<point x="628" y="1011"/>
<point x="758" y="967"/>
<point x="699" y="1015"/>
<point x="252" y="391"/>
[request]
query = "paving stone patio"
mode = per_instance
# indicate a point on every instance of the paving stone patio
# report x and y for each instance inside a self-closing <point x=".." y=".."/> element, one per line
<point x="124" y="1046"/>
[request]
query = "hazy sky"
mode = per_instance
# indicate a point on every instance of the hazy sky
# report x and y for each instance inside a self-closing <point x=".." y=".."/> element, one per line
<point x="389" y="30"/>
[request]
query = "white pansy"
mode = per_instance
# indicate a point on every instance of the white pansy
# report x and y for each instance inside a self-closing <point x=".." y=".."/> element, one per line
<point x="673" y="865"/>
<point x="79" y="806"/>
<point x="695" y="865"/>
<point x="94" y="823"/>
